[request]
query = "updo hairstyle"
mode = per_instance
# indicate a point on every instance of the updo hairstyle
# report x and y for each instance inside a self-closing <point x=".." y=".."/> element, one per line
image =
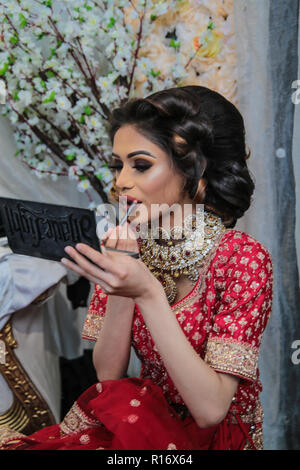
<point x="204" y="135"/>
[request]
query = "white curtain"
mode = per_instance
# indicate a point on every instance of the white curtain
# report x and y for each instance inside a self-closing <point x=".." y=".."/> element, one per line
<point x="267" y="33"/>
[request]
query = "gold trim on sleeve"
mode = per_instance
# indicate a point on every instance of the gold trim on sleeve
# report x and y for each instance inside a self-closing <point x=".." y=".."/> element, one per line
<point x="232" y="357"/>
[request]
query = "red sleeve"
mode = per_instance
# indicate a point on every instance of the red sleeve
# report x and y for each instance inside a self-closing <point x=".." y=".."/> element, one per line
<point x="95" y="315"/>
<point x="243" y="309"/>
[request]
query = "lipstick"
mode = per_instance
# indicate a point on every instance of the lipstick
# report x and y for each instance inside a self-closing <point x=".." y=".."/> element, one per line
<point x="130" y="209"/>
<point x="129" y="253"/>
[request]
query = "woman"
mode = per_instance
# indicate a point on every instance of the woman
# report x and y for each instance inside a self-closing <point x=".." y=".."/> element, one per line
<point x="195" y="314"/>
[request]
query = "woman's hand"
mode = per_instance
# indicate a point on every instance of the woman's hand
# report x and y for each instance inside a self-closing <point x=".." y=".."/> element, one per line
<point x="116" y="273"/>
<point x="120" y="238"/>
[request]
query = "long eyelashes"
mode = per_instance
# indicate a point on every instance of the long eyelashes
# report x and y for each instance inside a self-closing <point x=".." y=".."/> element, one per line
<point x="140" y="168"/>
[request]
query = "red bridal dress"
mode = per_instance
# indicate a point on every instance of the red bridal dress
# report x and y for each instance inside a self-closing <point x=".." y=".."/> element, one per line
<point x="223" y="318"/>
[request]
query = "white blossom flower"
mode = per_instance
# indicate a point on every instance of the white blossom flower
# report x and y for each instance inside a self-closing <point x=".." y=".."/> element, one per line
<point x="40" y="148"/>
<point x="25" y="97"/>
<point x="93" y="122"/>
<point x="145" y="64"/>
<point x="104" y="174"/>
<point x="44" y="72"/>
<point x="120" y="65"/>
<point x="48" y="162"/>
<point x="63" y="102"/>
<point x="33" y="121"/>
<point x="82" y="160"/>
<point x="83" y="186"/>
<point x="106" y="82"/>
<point x="28" y="4"/>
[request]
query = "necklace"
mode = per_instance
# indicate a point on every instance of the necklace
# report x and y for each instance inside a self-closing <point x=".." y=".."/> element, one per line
<point x="169" y="262"/>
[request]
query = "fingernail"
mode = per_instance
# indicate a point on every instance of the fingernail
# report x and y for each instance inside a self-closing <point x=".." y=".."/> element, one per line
<point x="67" y="249"/>
<point x="63" y="260"/>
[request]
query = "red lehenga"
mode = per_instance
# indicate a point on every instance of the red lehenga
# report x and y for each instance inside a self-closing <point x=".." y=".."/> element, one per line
<point x="223" y="317"/>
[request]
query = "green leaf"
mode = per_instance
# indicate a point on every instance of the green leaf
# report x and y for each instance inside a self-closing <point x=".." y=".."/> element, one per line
<point x="23" y="21"/>
<point x="14" y="39"/>
<point x="99" y="176"/>
<point x="4" y="69"/>
<point x="43" y="84"/>
<point x="48" y="3"/>
<point x="82" y="119"/>
<point x="11" y="60"/>
<point x="53" y="53"/>
<point x="50" y="97"/>
<point x="153" y="17"/>
<point x="88" y="8"/>
<point x="82" y="178"/>
<point x="16" y="96"/>
<point x="175" y="44"/>
<point x="87" y="110"/>
<point x="154" y="74"/>
<point x="71" y="71"/>
<point x="211" y="25"/>
<point x="41" y="35"/>
<point x="70" y="156"/>
<point x="111" y="23"/>
<point x="50" y="74"/>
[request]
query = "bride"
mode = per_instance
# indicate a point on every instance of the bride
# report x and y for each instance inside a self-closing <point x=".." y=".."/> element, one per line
<point x="194" y="312"/>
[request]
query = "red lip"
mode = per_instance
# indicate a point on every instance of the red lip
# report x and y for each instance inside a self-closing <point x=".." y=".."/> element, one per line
<point x="130" y="198"/>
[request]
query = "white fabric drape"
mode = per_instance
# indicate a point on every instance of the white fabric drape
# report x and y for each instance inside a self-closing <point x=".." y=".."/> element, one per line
<point x="267" y="64"/>
<point x="296" y="152"/>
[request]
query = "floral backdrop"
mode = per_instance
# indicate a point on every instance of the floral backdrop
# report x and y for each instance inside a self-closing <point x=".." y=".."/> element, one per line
<point x="67" y="64"/>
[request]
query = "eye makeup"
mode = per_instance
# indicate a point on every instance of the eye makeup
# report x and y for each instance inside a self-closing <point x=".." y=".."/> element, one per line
<point x="140" y="165"/>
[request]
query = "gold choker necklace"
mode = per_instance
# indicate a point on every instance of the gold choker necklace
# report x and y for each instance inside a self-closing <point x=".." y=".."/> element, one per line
<point x="169" y="262"/>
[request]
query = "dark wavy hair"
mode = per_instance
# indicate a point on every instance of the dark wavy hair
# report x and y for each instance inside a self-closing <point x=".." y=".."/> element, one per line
<point x="204" y="135"/>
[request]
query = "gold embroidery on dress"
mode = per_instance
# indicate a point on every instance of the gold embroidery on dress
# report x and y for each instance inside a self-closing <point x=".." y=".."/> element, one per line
<point x="76" y="420"/>
<point x="29" y="411"/>
<point x="9" y="436"/>
<point x="258" y="440"/>
<point x="231" y="356"/>
<point x="255" y="418"/>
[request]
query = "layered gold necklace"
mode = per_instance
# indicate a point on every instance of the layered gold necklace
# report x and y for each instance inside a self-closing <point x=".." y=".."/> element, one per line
<point x="184" y="257"/>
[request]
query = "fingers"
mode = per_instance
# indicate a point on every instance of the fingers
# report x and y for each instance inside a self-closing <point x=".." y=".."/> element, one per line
<point x="110" y="238"/>
<point x="121" y="238"/>
<point x="77" y="269"/>
<point x="106" y="235"/>
<point x="97" y="270"/>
